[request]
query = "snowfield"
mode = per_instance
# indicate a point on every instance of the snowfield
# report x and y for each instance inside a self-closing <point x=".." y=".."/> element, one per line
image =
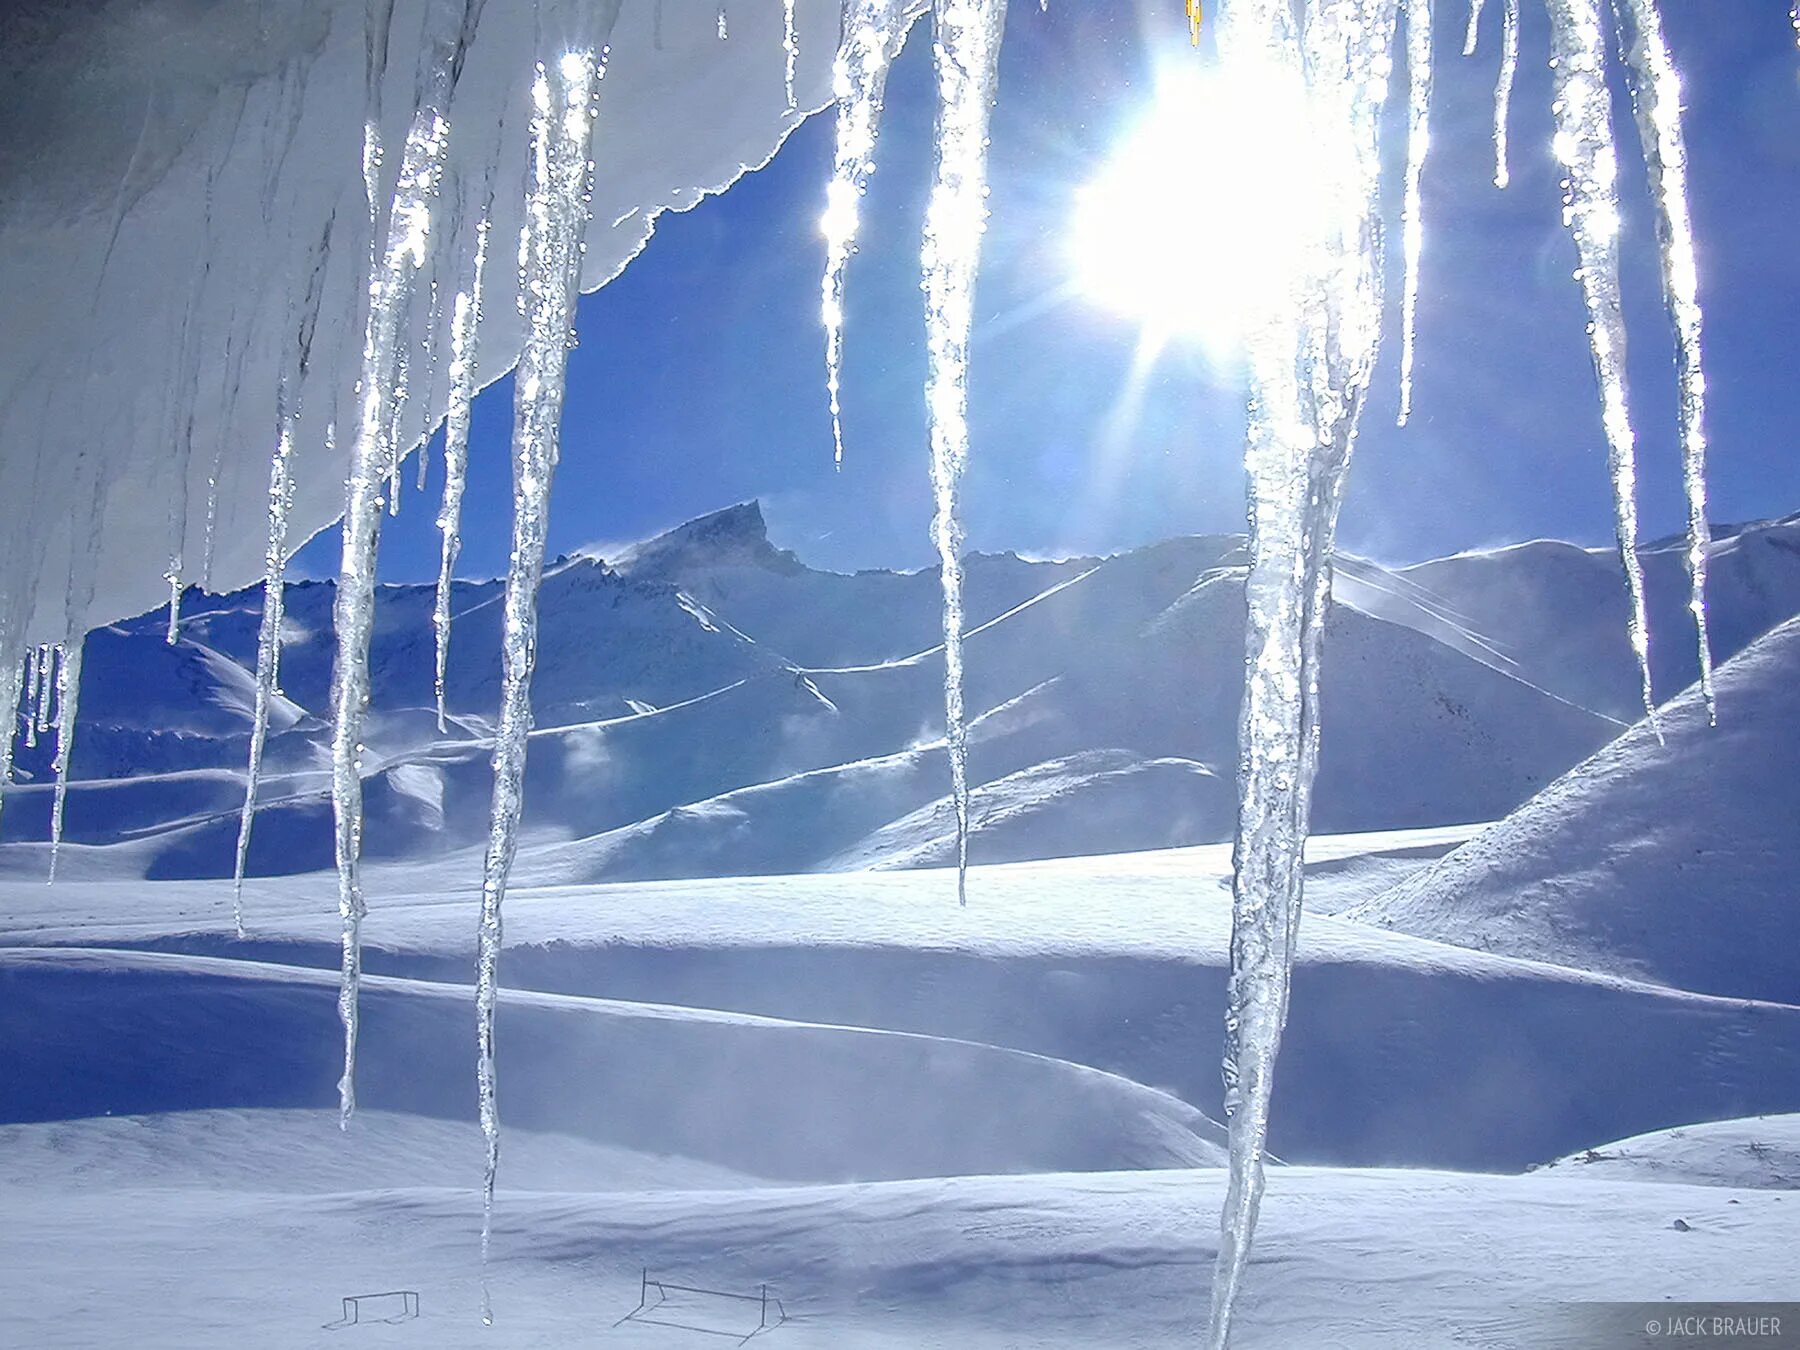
<point x="747" y="1035"/>
<point x="956" y="1093"/>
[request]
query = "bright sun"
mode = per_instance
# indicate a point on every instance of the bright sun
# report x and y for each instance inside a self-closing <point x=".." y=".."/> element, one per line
<point x="1194" y="215"/>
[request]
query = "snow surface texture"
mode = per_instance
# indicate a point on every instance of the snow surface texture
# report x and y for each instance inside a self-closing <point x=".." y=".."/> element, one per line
<point x="1603" y="870"/>
<point x="702" y="1089"/>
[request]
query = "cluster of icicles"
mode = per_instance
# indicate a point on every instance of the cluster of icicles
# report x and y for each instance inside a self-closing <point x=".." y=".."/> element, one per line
<point x="1311" y="355"/>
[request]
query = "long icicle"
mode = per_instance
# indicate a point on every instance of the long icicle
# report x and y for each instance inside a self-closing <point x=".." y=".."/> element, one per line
<point x="790" y="51"/>
<point x="372" y="460"/>
<point x="68" y="695"/>
<point x="1412" y="214"/>
<point x="33" y="653"/>
<point x="1656" y="96"/>
<point x="13" y="677"/>
<point x="1310" y="357"/>
<point x="1473" y="37"/>
<point x="1503" y="87"/>
<point x="465" y="334"/>
<point x="858" y="80"/>
<point x="1584" y="144"/>
<point x="78" y="601"/>
<point x="268" y="638"/>
<point x="281" y="500"/>
<point x="966" y="47"/>
<point x="45" y="700"/>
<point x="550" y="252"/>
<point x="428" y="397"/>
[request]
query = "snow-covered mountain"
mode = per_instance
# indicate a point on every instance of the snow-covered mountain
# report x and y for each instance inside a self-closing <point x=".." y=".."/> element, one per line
<point x="1665" y="858"/>
<point x="708" y="704"/>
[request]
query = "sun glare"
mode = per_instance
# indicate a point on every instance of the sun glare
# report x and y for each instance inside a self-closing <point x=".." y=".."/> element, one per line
<point x="1198" y="210"/>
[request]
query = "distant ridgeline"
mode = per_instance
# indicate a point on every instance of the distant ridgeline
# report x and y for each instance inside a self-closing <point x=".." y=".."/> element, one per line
<point x="706" y="704"/>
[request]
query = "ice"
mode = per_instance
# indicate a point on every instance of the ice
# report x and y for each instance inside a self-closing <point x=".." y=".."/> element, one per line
<point x="68" y="692"/>
<point x="967" y="51"/>
<point x="268" y="647"/>
<point x="550" y="250"/>
<point x="1656" y="96"/>
<point x="48" y="655"/>
<point x="1316" y="94"/>
<point x="1584" y="145"/>
<point x="374" y="459"/>
<point x="15" y="675"/>
<point x="1412" y="215"/>
<point x="288" y="404"/>
<point x="1473" y="36"/>
<point x="434" y="317"/>
<point x="790" y="51"/>
<point x="465" y="332"/>
<point x="1503" y="86"/>
<point x="29" y="708"/>
<point x="872" y="29"/>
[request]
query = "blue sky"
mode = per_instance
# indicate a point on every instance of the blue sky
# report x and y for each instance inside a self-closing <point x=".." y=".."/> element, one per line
<point x="698" y="381"/>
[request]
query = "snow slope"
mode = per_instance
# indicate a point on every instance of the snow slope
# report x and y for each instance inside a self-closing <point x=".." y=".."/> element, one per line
<point x="1346" y="1261"/>
<point x="707" y="703"/>
<point x="772" y="1098"/>
<point x="1757" y="1152"/>
<point x="1557" y="613"/>
<point x="700" y="1046"/>
<point x="1669" y="861"/>
<point x="1399" y="1051"/>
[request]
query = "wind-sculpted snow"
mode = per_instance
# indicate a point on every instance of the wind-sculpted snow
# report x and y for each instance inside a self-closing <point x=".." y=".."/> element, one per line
<point x="830" y="1103"/>
<point x="1603" y="870"/>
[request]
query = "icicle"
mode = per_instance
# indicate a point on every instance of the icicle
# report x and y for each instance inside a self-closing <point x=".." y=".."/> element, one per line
<point x="28" y="711"/>
<point x="550" y="252"/>
<point x="790" y="51"/>
<point x="1310" y="353"/>
<point x="1584" y="144"/>
<point x="724" y="30"/>
<point x="14" y="677"/>
<point x="1509" y="67"/>
<point x="402" y="394"/>
<point x="858" y="78"/>
<point x="372" y="460"/>
<point x="68" y="693"/>
<point x="1656" y="96"/>
<point x="268" y="638"/>
<point x="48" y="656"/>
<point x="967" y="52"/>
<point x="173" y="633"/>
<point x="429" y="400"/>
<point x="465" y="329"/>
<point x="1472" y="37"/>
<point x="1412" y="215"/>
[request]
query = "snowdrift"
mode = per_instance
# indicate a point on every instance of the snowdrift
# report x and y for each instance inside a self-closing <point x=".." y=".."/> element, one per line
<point x="1669" y="861"/>
<point x="1398" y="1051"/>
<point x="1755" y="1153"/>
<point x="778" y="1100"/>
